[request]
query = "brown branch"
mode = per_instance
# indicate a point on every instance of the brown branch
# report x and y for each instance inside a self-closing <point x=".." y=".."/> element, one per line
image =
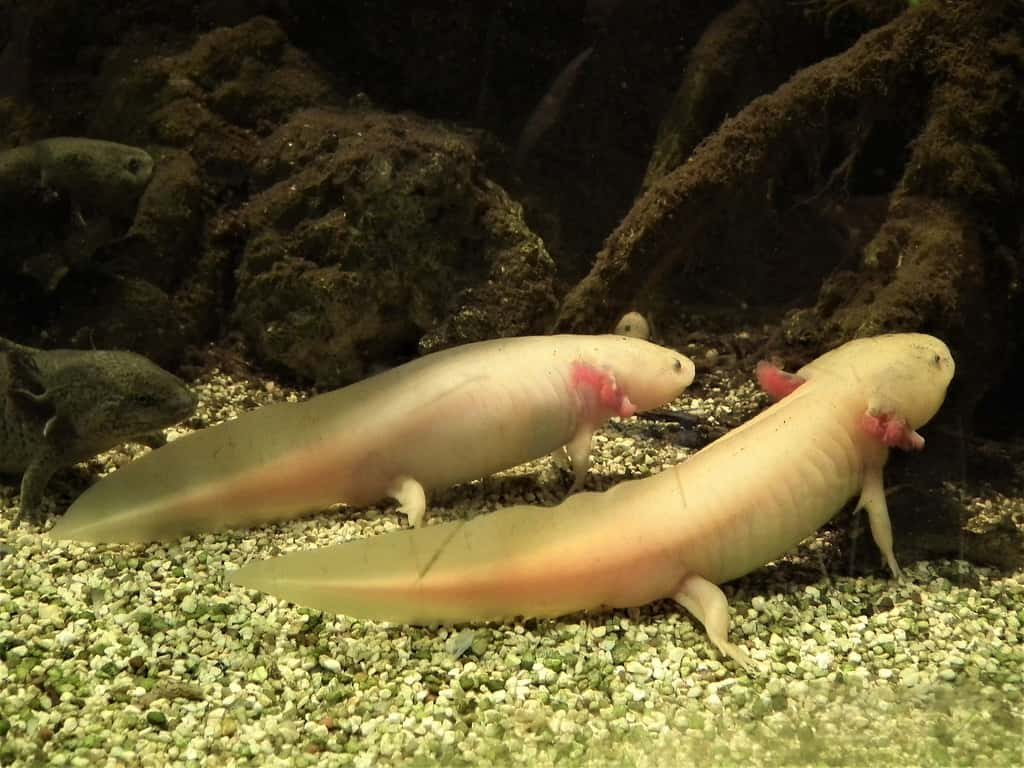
<point x="752" y="165"/>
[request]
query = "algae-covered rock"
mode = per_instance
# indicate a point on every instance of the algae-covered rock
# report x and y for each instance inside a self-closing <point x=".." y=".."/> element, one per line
<point x="164" y="241"/>
<point x="218" y="95"/>
<point x="206" y="101"/>
<point x="749" y="50"/>
<point x="374" y="234"/>
<point x="109" y="311"/>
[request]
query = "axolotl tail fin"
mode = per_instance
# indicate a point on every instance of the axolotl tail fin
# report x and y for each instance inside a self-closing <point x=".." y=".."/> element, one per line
<point x="218" y="477"/>
<point x="518" y="561"/>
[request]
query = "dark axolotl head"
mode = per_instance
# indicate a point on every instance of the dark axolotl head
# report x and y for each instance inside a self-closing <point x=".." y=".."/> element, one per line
<point x="100" y="399"/>
<point x="103" y="175"/>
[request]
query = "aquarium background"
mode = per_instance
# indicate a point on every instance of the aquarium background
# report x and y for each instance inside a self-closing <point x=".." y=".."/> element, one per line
<point x="337" y="188"/>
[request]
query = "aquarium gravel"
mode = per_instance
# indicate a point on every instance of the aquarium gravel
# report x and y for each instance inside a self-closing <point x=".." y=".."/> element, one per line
<point x="144" y="656"/>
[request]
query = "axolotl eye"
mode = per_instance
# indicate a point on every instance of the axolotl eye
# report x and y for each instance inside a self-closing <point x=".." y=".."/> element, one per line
<point x="134" y="166"/>
<point x="677" y="365"/>
<point x="937" y="361"/>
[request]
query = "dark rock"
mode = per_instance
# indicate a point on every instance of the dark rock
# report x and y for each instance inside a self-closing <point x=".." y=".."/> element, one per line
<point x="112" y="312"/>
<point x="373" y="235"/>
<point x="163" y="243"/>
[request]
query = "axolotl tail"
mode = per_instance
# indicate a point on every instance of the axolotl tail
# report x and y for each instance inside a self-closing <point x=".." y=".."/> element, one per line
<point x="518" y="561"/>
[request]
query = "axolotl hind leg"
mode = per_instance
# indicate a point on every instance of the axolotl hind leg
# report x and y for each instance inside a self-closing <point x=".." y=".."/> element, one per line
<point x="707" y="603"/>
<point x="411" y="498"/>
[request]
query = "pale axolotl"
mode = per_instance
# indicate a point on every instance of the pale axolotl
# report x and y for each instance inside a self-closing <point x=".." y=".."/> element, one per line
<point x="445" y="418"/>
<point x="743" y="500"/>
<point x="59" y="406"/>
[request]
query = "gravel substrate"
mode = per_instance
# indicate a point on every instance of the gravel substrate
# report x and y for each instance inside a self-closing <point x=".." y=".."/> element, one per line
<point x="144" y="656"/>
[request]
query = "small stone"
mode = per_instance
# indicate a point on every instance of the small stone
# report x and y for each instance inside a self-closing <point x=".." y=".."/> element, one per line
<point x="331" y="665"/>
<point x="620" y="652"/>
<point x="638" y="669"/>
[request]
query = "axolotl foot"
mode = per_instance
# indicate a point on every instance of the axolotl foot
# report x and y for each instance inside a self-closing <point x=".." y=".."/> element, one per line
<point x="707" y="603"/>
<point x="411" y="498"/>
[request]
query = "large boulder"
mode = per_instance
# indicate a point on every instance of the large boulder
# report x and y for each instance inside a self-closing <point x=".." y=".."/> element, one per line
<point x="372" y="236"/>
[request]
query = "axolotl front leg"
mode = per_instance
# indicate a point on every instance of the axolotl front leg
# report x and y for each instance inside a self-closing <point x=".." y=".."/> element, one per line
<point x="880" y="421"/>
<point x="892" y="431"/>
<point x="599" y="397"/>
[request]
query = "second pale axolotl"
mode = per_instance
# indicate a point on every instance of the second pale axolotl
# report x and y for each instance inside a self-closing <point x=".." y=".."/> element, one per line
<point x="744" y="500"/>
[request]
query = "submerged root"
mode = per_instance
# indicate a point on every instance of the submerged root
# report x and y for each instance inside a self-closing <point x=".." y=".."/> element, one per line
<point x="915" y="114"/>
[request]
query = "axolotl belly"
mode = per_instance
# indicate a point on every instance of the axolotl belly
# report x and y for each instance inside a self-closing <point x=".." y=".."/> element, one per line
<point x="445" y="418"/>
<point x="743" y="500"/>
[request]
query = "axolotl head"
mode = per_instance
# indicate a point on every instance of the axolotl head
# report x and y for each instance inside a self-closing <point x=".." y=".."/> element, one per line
<point x="103" y="398"/>
<point x="901" y="373"/>
<point x="647" y="374"/>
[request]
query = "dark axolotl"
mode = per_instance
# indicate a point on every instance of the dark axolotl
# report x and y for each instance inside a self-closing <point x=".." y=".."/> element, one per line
<point x="62" y="406"/>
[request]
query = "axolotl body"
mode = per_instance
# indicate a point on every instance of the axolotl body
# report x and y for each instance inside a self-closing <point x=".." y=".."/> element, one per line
<point x="742" y="501"/>
<point x="448" y="417"/>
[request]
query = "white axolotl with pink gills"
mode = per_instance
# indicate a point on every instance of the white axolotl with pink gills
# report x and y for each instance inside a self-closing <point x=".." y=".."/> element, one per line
<point x="743" y="500"/>
<point x="445" y="418"/>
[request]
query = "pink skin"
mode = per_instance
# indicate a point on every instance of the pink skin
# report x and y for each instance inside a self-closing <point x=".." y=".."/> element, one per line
<point x="597" y="387"/>
<point x="775" y="381"/>
<point x="892" y="430"/>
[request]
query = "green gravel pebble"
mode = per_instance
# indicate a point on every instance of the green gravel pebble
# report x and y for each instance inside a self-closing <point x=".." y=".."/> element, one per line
<point x="157" y="718"/>
<point x="621" y="652"/>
